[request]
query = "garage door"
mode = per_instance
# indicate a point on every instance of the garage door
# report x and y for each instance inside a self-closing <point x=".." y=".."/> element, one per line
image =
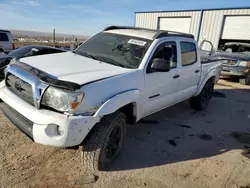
<point x="236" y="27"/>
<point x="175" y="24"/>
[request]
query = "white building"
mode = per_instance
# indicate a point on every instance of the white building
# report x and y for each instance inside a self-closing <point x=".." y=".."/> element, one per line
<point x="216" y="25"/>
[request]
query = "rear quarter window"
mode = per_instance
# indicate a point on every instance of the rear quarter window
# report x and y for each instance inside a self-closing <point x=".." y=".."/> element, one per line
<point x="188" y="53"/>
<point x="4" y="37"/>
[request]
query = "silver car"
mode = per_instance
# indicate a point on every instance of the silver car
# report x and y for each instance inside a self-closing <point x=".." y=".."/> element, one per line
<point x="6" y="41"/>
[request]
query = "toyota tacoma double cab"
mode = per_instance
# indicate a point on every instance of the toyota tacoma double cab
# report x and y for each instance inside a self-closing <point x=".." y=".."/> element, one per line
<point x="88" y="96"/>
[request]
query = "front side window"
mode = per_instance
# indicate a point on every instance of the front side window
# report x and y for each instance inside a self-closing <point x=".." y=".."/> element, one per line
<point x="166" y="51"/>
<point x="188" y="53"/>
<point x="4" y="37"/>
<point x="120" y="50"/>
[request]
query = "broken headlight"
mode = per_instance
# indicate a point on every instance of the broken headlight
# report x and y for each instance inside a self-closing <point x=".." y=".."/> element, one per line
<point x="244" y="63"/>
<point x="62" y="100"/>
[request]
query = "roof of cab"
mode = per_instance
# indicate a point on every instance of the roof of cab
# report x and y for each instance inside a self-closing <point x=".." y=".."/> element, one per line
<point x="145" y="33"/>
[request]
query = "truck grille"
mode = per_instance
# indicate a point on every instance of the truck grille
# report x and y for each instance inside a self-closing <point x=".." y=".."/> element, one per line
<point x="21" y="88"/>
<point x="230" y="62"/>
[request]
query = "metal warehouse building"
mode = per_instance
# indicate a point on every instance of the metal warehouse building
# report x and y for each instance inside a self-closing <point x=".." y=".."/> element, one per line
<point x="216" y="25"/>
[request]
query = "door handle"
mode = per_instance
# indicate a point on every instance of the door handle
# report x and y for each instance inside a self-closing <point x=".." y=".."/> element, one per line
<point x="176" y="76"/>
<point x="197" y="71"/>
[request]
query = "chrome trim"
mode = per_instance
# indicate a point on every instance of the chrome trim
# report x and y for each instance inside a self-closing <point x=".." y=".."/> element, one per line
<point x="38" y="87"/>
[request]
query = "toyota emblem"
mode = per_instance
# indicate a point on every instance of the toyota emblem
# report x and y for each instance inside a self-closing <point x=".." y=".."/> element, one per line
<point x="18" y="86"/>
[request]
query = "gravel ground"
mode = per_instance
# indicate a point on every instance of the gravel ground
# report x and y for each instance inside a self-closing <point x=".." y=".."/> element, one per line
<point x="177" y="147"/>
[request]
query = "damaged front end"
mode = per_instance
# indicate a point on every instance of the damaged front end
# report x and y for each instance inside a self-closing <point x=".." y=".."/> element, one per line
<point x="38" y="88"/>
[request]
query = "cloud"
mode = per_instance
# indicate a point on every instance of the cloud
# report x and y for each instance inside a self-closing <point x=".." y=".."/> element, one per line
<point x="82" y="8"/>
<point x="26" y="3"/>
<point x="33" y="3"/>
<point x="65" y="18"/>
<point x="118" y="1"/>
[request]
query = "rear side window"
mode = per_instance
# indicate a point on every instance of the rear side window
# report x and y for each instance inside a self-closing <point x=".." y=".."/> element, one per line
<point x="4" y="37"/>
<point x="188" y="53"/>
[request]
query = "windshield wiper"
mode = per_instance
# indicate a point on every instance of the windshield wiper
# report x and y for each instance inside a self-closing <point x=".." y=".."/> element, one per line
<point x="112" y="61"/>
<point x="86" y="54"/>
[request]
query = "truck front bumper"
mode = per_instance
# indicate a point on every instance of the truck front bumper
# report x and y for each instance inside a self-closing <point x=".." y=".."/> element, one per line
<point x="234" y="71"/>
<point x="44" y="126"/>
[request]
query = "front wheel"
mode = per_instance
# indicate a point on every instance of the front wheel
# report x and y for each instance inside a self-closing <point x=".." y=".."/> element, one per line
<point x="246" y="80"/>
<point x="104" y="142"/>
<point x="201" y="101"/>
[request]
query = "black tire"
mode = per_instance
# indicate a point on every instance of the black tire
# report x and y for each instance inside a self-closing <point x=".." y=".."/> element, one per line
<point x="201" y="101"/>
<point x="104" y="142"/>
<point x="246" y="80"/>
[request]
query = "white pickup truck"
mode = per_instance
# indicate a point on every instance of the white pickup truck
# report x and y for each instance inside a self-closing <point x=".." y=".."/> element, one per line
<point x="87" y="97"/>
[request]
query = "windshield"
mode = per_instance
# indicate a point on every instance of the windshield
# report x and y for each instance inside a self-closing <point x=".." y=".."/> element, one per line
<point x="237" y="49"/>
<point x="20" y="52"/>
<point x="119" y="50"/>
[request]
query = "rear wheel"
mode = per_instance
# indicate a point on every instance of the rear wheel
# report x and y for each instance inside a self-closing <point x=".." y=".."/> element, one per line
<point x="201" y="101"/>
<point x="104" y="142"/>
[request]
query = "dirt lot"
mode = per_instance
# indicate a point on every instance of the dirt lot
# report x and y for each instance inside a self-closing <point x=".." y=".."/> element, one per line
<point x="177" y="147"/>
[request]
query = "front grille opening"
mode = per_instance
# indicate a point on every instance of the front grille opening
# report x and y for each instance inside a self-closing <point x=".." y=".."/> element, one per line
<point x="19" y="87"/>
<point x="230" y="62"/>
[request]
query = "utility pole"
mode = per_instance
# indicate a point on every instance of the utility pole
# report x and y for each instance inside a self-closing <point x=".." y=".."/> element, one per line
<point x="54" y="38"/>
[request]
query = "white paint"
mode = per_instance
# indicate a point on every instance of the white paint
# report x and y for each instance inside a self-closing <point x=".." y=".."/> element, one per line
<point x="108" y="95"/>
<point x="75" y="68"/>
<point x="236" y="27"/>
<point x="175" y="24"/>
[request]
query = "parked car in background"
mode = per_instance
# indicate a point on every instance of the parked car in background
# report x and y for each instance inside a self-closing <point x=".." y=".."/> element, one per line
<point x="6" y="41"/>
<point x="88" y="96"/>
<point x="32" y="50"/>
<point x="236" y="61"/>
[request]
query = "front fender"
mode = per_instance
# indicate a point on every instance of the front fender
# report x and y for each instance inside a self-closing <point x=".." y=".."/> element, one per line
<point x="116" y="102"/>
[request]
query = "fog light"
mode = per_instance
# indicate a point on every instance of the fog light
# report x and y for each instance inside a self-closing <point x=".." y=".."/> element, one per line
<point x="54" y="130"/>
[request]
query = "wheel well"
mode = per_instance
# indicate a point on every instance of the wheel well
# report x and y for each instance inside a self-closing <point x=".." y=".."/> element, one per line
<point x="128" y="110"/>
<point x="212" y="79"/>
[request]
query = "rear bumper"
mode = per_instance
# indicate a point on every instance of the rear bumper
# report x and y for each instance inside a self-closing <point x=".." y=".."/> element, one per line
<point x="234" y="71"/>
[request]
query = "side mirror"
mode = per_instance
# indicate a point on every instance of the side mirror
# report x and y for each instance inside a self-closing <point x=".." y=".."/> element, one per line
<point x="160" y="65"/>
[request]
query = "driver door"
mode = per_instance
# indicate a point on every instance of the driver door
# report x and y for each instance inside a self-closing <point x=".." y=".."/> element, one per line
<point x="161" y="87"/>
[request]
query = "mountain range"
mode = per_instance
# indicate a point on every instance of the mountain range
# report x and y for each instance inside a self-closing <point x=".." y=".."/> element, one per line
<point x="24" y="33"/>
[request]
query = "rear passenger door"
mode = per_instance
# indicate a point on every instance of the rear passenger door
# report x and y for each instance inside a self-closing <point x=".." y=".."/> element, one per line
<point x="189" y="71"/>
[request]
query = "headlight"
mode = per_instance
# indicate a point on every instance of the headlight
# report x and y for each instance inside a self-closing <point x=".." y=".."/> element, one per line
<point x="244" y="63"/>
<point x="61" y="100"/>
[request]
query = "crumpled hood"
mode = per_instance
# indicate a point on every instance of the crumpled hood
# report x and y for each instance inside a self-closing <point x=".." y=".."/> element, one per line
<point x="74" y="68"/>
<point x="232" y="56"/>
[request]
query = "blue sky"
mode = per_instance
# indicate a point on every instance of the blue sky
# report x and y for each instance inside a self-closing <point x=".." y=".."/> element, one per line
<point x="87" y="17"/>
